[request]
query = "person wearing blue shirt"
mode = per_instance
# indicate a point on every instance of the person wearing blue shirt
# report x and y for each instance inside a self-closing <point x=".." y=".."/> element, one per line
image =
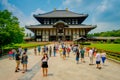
<point x="39" y="49"/>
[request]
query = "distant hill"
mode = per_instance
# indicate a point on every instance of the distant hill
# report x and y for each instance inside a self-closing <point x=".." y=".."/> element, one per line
<point x="113" y="33"/>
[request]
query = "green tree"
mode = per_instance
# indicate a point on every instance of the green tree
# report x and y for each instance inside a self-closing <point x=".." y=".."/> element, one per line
<point x="10" y="31"/>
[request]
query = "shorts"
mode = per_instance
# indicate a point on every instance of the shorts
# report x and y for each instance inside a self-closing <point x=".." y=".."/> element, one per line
<point x="82" y="55"/>
<point x="10" y="55"/>
<point x="17" y="62"/>
<point x="44" y="65"/>
<point x="77" y="58"/>
<point x="24" y="62"/>
<point x="103" y="59"/>
<point x="97" y="62"/>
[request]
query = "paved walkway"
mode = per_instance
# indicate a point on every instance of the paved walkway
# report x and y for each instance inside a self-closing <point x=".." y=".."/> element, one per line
<point x="59" y="69"/>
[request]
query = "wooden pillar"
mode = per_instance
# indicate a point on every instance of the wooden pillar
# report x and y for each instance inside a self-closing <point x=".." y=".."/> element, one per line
<point x="35" y="34"/>
<point x="48" y="34"/>
<point x="41" y="34"/>
<point x="72" y="34"/>
<point x="64" y="35"/>
<point x="56" y="35"/>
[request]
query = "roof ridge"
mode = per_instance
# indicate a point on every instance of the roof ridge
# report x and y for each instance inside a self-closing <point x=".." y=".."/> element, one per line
<point x="61" y="10"/>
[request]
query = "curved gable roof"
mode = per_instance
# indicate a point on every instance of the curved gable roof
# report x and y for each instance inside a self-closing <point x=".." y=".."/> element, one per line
<point x="61" y="13"/>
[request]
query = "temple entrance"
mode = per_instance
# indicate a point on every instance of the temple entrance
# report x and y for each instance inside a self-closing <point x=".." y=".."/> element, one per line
<point x="60" y="25"/>
<point x="68" y="38"/>
<point x="52" y="38"/>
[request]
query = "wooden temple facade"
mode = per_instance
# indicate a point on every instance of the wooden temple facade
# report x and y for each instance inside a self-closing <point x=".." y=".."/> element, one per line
<point x="60" y="25"/>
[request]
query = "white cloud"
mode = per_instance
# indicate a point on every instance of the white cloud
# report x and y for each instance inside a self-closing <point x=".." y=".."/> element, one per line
<point x="102" y="9"/>
<point x="24" y="20"/>
<point x="71" y="3"/>
<point x="104" y="17"/>
<point x="31" y="19"/>
<point x="38" y="11"/>
<point x="101" y="27"/>
<point x="103" y="6"/>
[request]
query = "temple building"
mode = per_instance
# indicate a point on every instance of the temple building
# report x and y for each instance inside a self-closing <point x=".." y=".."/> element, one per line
<point x="60" y="25"/>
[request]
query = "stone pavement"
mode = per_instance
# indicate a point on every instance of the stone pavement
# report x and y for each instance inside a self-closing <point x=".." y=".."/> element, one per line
<point x="59" y="69"/>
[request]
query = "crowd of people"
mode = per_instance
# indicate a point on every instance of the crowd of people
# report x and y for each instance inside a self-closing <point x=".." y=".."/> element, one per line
<point x="64" y="50"/>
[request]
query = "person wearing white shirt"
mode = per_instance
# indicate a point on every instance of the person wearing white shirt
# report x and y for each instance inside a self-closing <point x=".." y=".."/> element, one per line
<point x="98" y="60"/>
<point x="91" y="56"/>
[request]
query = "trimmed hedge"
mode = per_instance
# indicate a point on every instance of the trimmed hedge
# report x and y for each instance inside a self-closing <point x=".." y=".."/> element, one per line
<point x="82" y="43"/>
<point x="117" y="41"/>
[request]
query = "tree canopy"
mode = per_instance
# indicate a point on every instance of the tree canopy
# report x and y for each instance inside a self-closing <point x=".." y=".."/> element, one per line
<point x="10" y="31"/>
<point x="113" y="33"/>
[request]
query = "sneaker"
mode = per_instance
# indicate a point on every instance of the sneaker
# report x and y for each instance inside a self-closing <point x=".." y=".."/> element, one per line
<point x="18" y="68"/>
<point x="99" y="67"/>
<point x="16" y="71"/>
<point x="23" y="72"/>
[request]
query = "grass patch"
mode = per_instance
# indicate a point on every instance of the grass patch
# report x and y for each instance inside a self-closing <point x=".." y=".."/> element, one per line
<point x="31" y="44"/>
<point x="23" y="45"/>
<point x="107" y="47"/>
<point x="112" y="50"/>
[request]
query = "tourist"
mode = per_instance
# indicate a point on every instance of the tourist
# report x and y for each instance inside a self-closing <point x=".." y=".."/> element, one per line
<point x="64" y="53"/>
<point x="54" y="50"/>
<point x="17" y="58"/>
<point x="74" y="49"/>
<point x="57" y="48"/>
<point x="103" y="56"/>
<point x="47" y="49"/>
<point x="94" y="52"/>
<point x="20" y="50"/>
<point x="60" y="51"/>
<point x="24" y="61"/>
<point x="87" y="51"/>
<point x="25" y="50"/>
<point x="35" y="51"/>
<point x="91" y="56"/>
<point x="68" y="51"/>
<point x="43" y="51"/>
<point x="39" y="50"/>
<point x="14" y="53"/>
<point x="50" y="51"/>
<point x="10" y="55"/>
<point x="0" y="52"/>
<point x="98" y="60"/>
<point x="44" y="64"/>
<point x="77" y="56"/>
<point x="82" y="52"/>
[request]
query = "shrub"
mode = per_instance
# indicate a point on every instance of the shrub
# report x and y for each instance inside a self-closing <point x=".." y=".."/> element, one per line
<point x="108" y="41"/>
<point x="85" y="43"/>
<point x="117" y="41"/>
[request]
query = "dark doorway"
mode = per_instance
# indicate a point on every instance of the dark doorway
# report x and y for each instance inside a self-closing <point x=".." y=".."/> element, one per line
<point x="60" y="37"/>
<point x="67" y="38"/>
<point x="52" y="38"/>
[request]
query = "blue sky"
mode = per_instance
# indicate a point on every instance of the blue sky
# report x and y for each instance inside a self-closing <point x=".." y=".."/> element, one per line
<point x="103" y="13"/>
